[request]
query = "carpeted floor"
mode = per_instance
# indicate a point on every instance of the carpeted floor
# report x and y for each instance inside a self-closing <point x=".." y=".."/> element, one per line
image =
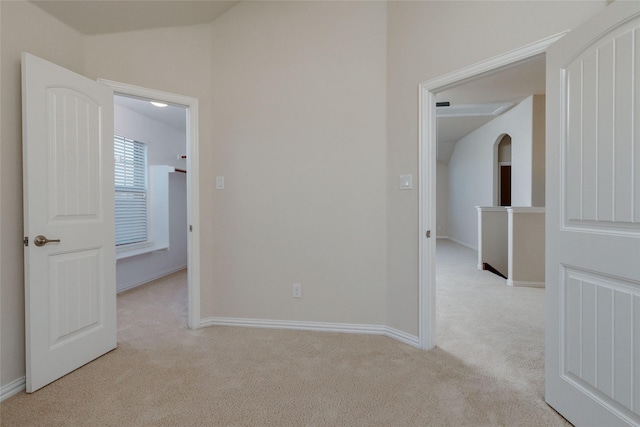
<point x="487" y="370"/>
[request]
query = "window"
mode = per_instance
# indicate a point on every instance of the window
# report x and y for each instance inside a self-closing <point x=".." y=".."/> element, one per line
<point x="131" y="191"/>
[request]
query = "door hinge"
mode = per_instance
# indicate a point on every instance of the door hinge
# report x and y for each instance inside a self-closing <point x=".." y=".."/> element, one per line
<point x="428" y="234"/>
<point x="25" y="241"/>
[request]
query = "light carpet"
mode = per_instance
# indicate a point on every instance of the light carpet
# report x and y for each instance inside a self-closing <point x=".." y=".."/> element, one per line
<point x="487" y="370"/>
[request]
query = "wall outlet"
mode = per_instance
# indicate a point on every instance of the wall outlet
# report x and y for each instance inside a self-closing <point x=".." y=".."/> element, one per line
<point x="296" y="290"/>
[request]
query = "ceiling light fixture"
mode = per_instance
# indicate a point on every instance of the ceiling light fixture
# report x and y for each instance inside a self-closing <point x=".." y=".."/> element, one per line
<point x="158" y="104"/>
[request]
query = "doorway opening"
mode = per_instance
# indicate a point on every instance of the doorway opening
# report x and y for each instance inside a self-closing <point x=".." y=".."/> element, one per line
<point x="427" y="148"/>
<point x="151" y="194"/>
<point x="504" y="171"/>
<point x="173" y="169"/>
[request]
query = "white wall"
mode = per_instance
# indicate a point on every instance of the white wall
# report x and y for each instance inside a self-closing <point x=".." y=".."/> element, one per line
<point x="164" y="144"/>
<point x="539" y="152"/>
<point x="472" y="170"/>
<point x="519" y="125"/>
<point x="442" y="214"/>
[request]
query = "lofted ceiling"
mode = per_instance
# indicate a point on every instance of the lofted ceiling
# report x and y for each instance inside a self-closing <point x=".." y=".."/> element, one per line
<point x="512" y="84"/>
<point x="113" y="16"/>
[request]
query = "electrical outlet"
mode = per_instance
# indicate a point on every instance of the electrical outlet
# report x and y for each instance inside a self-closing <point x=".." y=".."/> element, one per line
<point x="296" y="290"/>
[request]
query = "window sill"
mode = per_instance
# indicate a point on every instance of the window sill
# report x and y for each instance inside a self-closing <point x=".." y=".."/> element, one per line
<point x="136" y="249"/>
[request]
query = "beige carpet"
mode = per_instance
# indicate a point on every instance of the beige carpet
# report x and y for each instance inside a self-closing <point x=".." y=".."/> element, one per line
<point x="487" y="371"/>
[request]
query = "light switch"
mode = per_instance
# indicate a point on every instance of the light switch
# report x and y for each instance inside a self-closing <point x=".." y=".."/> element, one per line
<point x="219" y="182"/>
<point x="406" y="182"/>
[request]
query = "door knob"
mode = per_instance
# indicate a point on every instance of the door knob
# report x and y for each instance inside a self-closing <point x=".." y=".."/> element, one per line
<point x="41" y="240"/>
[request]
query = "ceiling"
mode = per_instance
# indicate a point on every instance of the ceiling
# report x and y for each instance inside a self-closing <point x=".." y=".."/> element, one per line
<point x="171" y="115"/>
<point x="114" y="16"/>
<point x="512" y="84"/>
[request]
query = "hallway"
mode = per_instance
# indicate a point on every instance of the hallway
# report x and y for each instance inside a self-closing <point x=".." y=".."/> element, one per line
<point x="488" y="324"/>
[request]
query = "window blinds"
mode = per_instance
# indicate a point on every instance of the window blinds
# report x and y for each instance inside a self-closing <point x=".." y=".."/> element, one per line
<point x="131" y="191"/>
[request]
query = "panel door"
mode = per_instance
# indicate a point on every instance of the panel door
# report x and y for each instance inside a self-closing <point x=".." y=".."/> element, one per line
<point x="593" y="220"/>
<point x="68" y="196"/>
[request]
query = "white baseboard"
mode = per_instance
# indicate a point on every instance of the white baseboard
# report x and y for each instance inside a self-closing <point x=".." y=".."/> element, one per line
<point x="314" y="326"/>
<point x="518" y="283"/>
<point x="462" y="243"/>
<point x="13" y="388"/>
<point x="404" y="337"/>
<point x="442" y="237"/>
<point x="151" y="278"/>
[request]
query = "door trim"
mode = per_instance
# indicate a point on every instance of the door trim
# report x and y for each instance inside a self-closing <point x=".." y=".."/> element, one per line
<point x="427" y="172"/>
<point x="193" y="186"/>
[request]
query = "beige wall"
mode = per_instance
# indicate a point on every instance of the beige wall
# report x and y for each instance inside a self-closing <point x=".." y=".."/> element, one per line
<point x="24" y="28"/>
<point x="300" y="119"/>
<point x="526" y="246"/>
<point x="309" y="109"/>
<point x="292" y="113"/>
<point x="426" y="40"/>
<point x="176" y="60"/>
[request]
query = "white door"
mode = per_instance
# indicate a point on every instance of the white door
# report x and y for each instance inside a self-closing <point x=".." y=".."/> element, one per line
<point x="593" y="220"/>
<point x="70" y="296"/>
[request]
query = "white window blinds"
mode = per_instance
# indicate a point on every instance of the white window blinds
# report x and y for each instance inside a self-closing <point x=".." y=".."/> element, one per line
<point x="131" y="191"/>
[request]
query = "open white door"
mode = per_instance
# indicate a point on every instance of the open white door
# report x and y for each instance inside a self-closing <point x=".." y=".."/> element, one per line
<point x="593" y="220"/>
<point x="70" y="295"/>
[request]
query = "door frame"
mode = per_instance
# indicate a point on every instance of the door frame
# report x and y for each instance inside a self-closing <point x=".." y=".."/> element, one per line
<point x="427" y="143"/>
<point x="193" y="186"/>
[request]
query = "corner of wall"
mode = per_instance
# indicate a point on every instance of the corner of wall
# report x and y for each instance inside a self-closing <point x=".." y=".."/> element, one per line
<point x="538" y="151"/>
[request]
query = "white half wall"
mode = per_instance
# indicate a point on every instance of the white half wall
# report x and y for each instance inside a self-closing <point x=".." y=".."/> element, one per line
<point x="526" y="246"/>
<point x="493" y="238"/>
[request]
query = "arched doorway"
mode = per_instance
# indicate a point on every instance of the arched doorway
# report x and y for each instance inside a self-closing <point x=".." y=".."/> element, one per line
<point x="503" y="175"/>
